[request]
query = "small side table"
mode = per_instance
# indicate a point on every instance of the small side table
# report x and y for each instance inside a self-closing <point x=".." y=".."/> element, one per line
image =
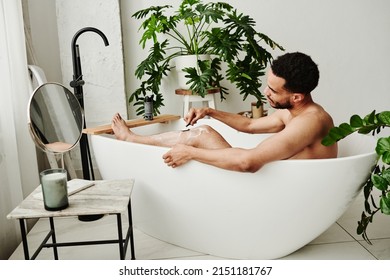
<point x="104" y="197"/>
<point x="189" y="97"/>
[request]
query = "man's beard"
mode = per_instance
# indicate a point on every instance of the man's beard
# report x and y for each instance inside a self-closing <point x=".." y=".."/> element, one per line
<point x="278" y="105"/>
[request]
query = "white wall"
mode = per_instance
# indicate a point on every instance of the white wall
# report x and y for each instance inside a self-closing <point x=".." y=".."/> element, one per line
<point x="348" y="39"/>
<point x="102" y="67"/>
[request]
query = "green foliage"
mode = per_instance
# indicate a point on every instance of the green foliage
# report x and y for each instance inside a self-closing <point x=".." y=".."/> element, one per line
<point x="210" y="28"/>
<point x="380" y="175"/>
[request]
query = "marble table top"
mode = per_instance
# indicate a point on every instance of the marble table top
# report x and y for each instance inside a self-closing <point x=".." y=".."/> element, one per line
<point x="104" y="197"/>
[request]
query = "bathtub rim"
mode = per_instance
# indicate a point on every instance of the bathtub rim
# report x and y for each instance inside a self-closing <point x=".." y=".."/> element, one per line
<point x="285" y="161"/>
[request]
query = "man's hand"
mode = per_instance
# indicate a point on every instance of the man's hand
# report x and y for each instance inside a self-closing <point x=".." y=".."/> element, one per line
<point x="178" y="155"/>
<point x="194" y="114"/>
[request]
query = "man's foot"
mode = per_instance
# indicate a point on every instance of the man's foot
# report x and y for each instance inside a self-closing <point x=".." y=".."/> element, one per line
<point x="120" y="129"/>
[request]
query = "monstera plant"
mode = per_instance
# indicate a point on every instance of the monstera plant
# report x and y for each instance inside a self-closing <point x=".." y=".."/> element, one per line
<point x="197" y="28"/>
<point x="379" y="178"/>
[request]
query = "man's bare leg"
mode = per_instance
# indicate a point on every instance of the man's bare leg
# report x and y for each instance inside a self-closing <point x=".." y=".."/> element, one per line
<point x="201" y="137"/>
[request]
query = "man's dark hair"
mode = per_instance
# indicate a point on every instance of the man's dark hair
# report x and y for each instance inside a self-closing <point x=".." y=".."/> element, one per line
<point x="299" y="71"/>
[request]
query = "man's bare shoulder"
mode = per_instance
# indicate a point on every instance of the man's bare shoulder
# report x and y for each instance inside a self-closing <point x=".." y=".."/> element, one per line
<point x="317" y="118"/>
<point x="282" y="115"/>
<point x="320" y="114"/>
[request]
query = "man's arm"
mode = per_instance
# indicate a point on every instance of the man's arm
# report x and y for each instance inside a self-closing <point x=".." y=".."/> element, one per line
<point x="235" y="159"/>
<point x="268" y="124"/>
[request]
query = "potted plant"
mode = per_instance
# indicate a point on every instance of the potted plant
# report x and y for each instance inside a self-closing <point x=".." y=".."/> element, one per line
<point x="257" y="107"/>
<point x="198" y="28"/>
<point x="379" y="179"/>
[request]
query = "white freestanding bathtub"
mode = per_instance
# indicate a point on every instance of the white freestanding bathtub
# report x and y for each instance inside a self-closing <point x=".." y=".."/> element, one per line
<point x="264" y="215"/>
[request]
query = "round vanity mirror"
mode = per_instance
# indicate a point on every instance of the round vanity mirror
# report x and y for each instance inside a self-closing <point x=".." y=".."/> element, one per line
<point x="55" y="118"/>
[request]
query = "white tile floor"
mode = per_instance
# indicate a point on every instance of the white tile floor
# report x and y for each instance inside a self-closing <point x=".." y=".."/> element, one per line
<point x="339" y="242"/>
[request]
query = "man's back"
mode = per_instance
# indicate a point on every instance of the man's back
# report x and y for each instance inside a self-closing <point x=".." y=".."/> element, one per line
<point x="322" y="123"/>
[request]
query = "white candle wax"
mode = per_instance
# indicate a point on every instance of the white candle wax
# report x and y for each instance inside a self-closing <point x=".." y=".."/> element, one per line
<point x="55" y="192"/>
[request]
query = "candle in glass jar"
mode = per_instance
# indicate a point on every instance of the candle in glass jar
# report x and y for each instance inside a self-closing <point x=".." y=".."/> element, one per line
<point x="54" y="188"/>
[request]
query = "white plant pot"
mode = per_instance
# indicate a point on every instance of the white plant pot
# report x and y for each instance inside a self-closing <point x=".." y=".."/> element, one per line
<point x="186" y="61"/>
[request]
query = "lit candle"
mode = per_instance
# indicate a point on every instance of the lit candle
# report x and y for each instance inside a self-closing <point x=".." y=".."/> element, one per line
<point x="54" y="188"/>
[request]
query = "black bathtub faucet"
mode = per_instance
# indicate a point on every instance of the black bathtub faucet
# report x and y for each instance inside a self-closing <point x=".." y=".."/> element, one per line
<point x="78" y="82"/>
<point x="77" y="85"/>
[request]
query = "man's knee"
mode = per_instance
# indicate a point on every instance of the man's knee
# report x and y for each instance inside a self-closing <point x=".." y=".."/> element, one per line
<point x="204" y="136"/>
<point x="203" y="131"/>
<point x="195" y="136"/>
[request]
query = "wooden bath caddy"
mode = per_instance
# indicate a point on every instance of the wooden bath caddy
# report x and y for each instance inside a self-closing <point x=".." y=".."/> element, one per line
<point x="106" y="129"/>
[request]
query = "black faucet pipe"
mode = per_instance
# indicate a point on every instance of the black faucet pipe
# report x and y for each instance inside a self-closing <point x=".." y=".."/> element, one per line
<point x="78" y="81"/>
<point x="77" y="84"/>
<point x="75" y="51"/>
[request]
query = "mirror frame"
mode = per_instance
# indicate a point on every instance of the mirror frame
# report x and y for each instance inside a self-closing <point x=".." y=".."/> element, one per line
<point x="36" y="138"/>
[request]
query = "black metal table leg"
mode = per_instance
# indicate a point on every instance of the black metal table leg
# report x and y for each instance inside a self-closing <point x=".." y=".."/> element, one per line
<point x="53" y="238"/>
<point x="120" y="237"/>
<point x="131" y="231"/>
<point x="24" y="239"/>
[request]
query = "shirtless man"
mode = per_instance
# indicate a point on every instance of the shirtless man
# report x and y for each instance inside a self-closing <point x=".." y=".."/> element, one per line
<point x="298" y="126"/>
